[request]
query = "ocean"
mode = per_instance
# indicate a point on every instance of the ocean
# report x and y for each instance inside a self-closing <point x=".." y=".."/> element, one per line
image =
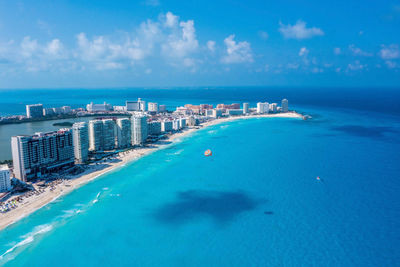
<point x="255" y="202"/>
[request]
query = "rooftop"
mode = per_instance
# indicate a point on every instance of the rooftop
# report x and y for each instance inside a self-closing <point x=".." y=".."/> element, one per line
<point x="4" y="167"/>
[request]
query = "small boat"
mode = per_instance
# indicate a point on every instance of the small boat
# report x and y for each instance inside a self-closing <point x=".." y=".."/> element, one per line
<point x="318" y="178"/>
<point x="208" y="153"/>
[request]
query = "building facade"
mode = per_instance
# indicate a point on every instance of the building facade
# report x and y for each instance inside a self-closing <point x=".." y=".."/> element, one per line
<point x="139" y="129"/>
<point x="80" y="134"/>
<point x="98" y="107"/>
<point x="285" y="105"/>
<point x="124" y="134"/>
<point x="42" y="153"/>
<point x="152" y="107"/>
<point x="262" y="107"/>
<point x="34" y="111"/>
<point x="5" y="182"/>
<point x="154" y="128"/>
<point x="245" y="108"/>
<point x="166" y="126"/>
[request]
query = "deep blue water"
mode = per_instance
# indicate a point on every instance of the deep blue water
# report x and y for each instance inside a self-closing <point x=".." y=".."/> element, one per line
<point x="255" y="202"/>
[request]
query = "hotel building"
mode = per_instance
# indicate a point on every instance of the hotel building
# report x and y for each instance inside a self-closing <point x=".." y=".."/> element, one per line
<point x="153" y="107"/>
<point x="5" y="183"/>
<point x="42" y="153"/>
<point x="245" y="108"/>
<point x="98" y="107"/>
<point x="101" y="135"/>
<point x="154" y="128"/>
<point x="166" y="126"/>
<point x="285" y="105"/>
<point x="139" y="129"/>
<point x="124" y="134"/>
<point x="162" y="108"/>
<point x="262" y="107"/>
<point x="34" y="111"/>
<point x="80" y="134"/>
<point x="273" y="107"/>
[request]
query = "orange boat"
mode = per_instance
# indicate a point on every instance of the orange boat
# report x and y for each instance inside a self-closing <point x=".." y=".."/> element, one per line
<point x="208" y="153"/>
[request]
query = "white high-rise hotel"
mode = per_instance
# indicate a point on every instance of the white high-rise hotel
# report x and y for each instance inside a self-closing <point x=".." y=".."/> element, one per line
<point x="139" y="129"/>
<point x="285" y="105"/>
<point x="101" y="135"/>
<point x="262" y="107"/>
<point x="5" y="184"/>
<point x="42" y="153"/>
<point x="80" y="135"/>
<point x="124" y="133"/>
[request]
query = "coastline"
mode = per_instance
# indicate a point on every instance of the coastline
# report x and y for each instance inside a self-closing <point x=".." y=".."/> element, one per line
<point x="93" y="172"/>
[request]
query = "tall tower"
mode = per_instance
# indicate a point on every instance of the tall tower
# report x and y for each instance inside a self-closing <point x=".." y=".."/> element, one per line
<point x="285" y="105"/>
<point x="139" y="129"/>
<point x="80" y="133"/>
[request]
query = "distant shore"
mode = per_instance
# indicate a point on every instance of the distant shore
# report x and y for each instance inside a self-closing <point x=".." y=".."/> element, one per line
<point x="95" y="170"/>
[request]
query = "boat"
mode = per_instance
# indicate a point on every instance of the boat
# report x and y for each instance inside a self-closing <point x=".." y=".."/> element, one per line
<point x="208" y="153"/>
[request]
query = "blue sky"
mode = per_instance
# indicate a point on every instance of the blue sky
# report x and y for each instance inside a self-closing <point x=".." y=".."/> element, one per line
<point x="58" y="44"/>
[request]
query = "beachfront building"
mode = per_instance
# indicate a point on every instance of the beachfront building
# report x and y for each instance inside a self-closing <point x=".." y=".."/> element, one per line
<point x="162" y="108"/>
<point x="192" y="121"/>
<point x="175" y="125"/>
<point x="34" y="111"/>
<point x="154" y="128"/>
<point x="119" y="108"/>
<point x="234" y="112"/>
<point x="124" y="134"/>
<point x="48" y="112"/>
<point x="95" y="135"/>
<point x="285" y="105"/>
<point x="182" y="123"/>
<point x="273" y="107"/>
<point x="262" y="107"/>
<point x="152" y="107"/>
<point x="132" y="106"/>
<point x="41" y="153"/>
<point x="166" y="126"/>
<point x="98" y="107"/>
<point x="80" y="134"/>
<point x="245" y="108"/>
<point x="5" y="183"/>
<point x="139" y="129"/>
<point x="141" y="104"/>
<point x="108" y="134"/>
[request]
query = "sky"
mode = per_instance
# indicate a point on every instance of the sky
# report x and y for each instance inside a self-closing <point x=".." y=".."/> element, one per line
<point x="160" y="43"/>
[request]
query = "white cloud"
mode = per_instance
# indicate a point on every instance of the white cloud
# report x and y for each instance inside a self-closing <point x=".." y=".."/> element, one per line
<point x="337" y="51"/>
<point x="211" y="45"/>
<point x="356" y="66"/>
<point x="299" y="31"/>
<point x="263" y="35"/>
<point x="237" y="52"/>
<point x="171" y="20"/>
<point x="29" y="47"/>
<point x="358" y="52"/>
<point x="389" y="52"/>
<point x="303" y="52"/>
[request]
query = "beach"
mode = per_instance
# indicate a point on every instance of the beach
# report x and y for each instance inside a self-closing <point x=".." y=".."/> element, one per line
<point x="95" y="170"/>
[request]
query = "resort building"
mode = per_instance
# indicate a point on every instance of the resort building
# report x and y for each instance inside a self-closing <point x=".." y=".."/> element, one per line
<point x="262" y="107"/>
<point x="132" y="106"/>
<point x="124" y="134"/>
<point x="42" y="153"/>
<point x="48" y="112"/>
<point x="245" y="108"/>
<point x="234" y="112"/>
<point x="98" y="107"/>
<point x="141" y="104"/>
<point x="273" y="107"/>
<point x="95" y="135"/>
<point x="108" y="134"/>
<point x="154" y="128"/>
<point x="153" y="107"/>
<point x="182" y="123"/>
<point x="162" y="108"/>
<point x="139" y="129"/>
<point x="175" y="125"/>
<point x="34" y="111"/>
<point x="285" y="105"/>
<point x="80" y="134"/>
<point x="5" y="183"/>
<point x="166" y="126"/>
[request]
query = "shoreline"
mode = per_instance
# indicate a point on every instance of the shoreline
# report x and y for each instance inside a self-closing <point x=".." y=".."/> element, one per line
<point x="94" y="171"/>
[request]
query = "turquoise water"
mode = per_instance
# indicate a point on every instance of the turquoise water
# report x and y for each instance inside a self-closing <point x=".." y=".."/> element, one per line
<point x="255" y="202"/>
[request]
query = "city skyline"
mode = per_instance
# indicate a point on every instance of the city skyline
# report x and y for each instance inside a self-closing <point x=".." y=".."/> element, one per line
<point x="155" y="43"/>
